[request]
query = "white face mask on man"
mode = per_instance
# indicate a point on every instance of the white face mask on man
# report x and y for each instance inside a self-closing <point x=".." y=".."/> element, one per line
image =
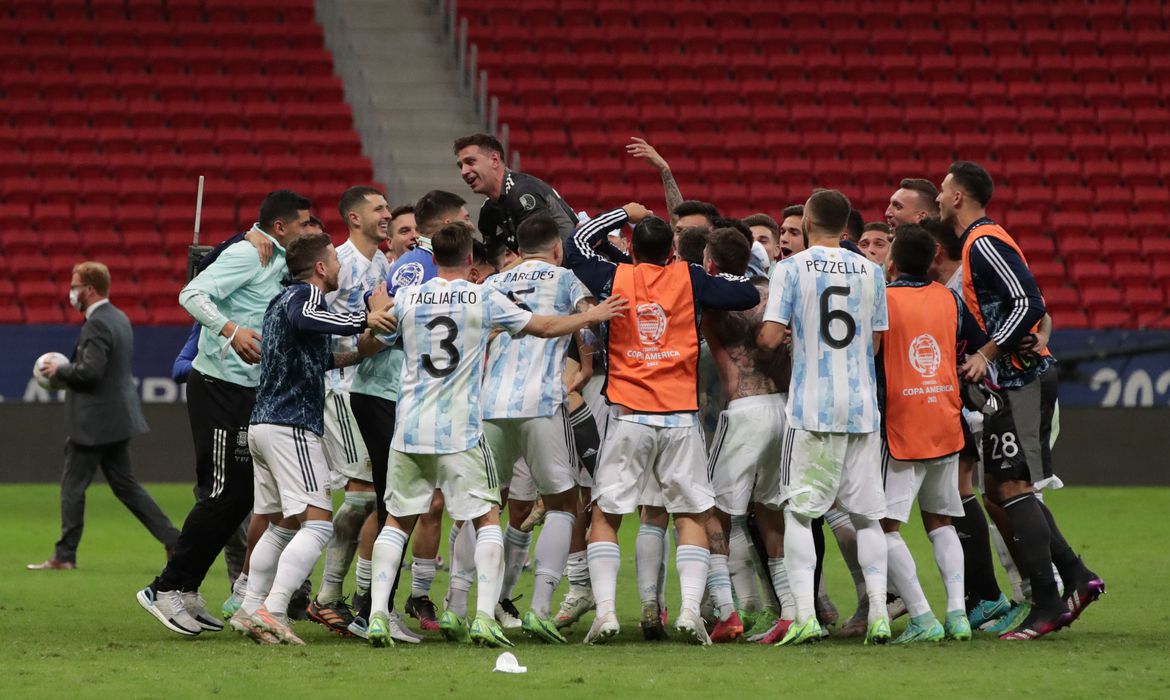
<point x="73" y="300"/>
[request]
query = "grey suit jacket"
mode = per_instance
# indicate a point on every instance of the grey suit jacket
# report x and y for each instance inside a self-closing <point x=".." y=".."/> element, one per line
<point x="102" y="404"/>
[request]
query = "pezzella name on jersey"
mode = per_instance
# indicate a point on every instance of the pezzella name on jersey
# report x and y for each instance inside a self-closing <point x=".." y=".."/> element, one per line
<point x="454" y="296"/>
<point x="843" y="267"/>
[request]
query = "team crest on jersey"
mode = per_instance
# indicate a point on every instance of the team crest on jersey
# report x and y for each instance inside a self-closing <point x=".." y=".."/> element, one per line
<point x="408" y="275"/>
<point x="527" y="202"/>
<point x="925" y="355"/>
<point x="651" y="324"/>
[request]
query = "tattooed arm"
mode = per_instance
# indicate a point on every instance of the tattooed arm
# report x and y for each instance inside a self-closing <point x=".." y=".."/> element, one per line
<point x="640" y="149"/>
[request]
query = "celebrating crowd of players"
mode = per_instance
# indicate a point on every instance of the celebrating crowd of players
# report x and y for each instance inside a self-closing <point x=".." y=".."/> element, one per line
<point x="744" y="381"/>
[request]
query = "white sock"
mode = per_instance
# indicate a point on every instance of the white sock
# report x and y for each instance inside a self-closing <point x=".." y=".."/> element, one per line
<point x="240" y="587"/>
<point x="948" y="555"/>
<point x="605" y="559"/>
<point x="364" y="574"/>
<point x="388" y="549"/>
<point x="422" y="575"/>
<point x="462" y="569"/>
<point x="648" y="559"/>
<point x="871" y="555"/>
<point x="692" y="563"/>
<point x="347" y="525"/>
<point x="662" y="566"/>
<point x="719" y="585"/>
<point x="489" y="564"/>
<point x="1019" y="594"/>
<point x="262" y="566"/>
<point x="846" y="536"/>
<point x="577" y="570"/>
<point x="515" y="552"/>
<point x="297" y="562"/>
<point x="904" y="574"/>
<point x="779" y="573"/>
<point x="740" y="566"/>
<point x="800" y="558"/>
<point x="552" y="552"/>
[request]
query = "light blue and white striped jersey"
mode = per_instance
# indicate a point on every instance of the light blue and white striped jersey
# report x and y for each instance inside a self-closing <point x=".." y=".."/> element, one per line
<point x="444" y="327"/>
<point x="357" y="276"/>
<point x="524" y="375"/>
<point x="833" y="300"/>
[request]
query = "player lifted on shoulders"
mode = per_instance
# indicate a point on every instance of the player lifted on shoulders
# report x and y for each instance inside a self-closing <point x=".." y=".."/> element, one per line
<point x="834" y="303"/>
<point x="438" y="441"/>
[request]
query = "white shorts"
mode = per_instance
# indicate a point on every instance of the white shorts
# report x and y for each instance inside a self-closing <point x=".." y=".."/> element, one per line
<point x="670" y="464"/>
<point x="819" y="469"/>
<point x="934" y="482"/>
<point x="289" y="470"/>
<point x="744" y="465"/>
<point x="467" y="479"/>
<point x="344" y="448"/>
<point x="545" y="446"/>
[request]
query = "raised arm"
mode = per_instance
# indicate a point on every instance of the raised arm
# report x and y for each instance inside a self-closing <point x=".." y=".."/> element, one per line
<point x="640" y="149"/>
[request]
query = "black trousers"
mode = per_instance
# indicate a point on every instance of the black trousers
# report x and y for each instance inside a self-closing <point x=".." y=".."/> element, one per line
<point x="375" y="419"/>
<point x="81" y="465"/>
<point x="219" y="412"/>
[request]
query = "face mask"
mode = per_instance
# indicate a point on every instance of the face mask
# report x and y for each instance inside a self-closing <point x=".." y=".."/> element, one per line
<point x="73" y="300"/>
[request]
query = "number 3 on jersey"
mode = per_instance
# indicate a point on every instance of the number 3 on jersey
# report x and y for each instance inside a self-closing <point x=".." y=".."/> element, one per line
<point x="446" y="344"/>
<point x="828" y="316"/>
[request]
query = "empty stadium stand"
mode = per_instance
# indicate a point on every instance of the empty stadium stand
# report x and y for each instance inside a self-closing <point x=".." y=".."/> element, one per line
<point x="755" y="102"/>
<point x="112" y="108"/>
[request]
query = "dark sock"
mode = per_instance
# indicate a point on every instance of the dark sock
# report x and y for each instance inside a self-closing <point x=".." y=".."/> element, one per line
<point x="585" y="437"/>
<point x="757" y="539"/>
<point x="818" y="532"/>
<point x="1072" y="569"/>
<point x="1033" y="550"/>
<point x="977" y="563"/>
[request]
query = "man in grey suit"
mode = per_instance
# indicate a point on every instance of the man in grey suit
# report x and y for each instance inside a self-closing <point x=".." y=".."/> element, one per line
<point x="102" y="414"/>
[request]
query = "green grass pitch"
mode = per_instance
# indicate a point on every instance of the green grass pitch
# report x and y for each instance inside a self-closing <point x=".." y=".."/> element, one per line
<point x="81" y="633"/>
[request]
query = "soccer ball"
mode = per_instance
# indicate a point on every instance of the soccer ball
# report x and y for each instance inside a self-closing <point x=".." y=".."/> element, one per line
<point x="42" y="380"/>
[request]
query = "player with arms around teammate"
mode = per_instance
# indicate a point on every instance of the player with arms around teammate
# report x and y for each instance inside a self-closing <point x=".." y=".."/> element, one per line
<point x="291" y="474"/>
<point x="524" y="404"/>
<point x="512" y="197"/>
<point x="653" y="436"/>
<point x="834" y="303"/>
<point x="438" y="441"/>
<point x="923" y="430"/>
<point x="1000" y="291"/>
<point x="362" y="269"/>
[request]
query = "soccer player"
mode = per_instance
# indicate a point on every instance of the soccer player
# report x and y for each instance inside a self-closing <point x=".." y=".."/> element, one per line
<point x="913" y="201"/>
<point x="1000" y="291"/>
<point x="524" y="406"/>
<point x="653" y="434"/>
<point x="512" y="196"/>
<point x="791" y="235"/>
<point x="445" y="324"/>
<point x="285" y="438"/>
<point x="834" y="303"/>
<point x="403" y="232"/>
<point x="875" y="242"/>
<point x="766" y="232"/>
<point x="363" y="267"/>
<point x="693" y="213"/>
<point x="744" y="463"/>
<point x="923" y="433"/>
<point x="229" y="299"/>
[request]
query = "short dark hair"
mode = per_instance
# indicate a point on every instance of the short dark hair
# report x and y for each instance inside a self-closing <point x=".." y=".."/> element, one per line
<point x="728" y="222"/>
<point x="484" y="141"/>
<point x="729" y="251"/>
<point x="692" y="241"/>
<point x="354" y="197"/>
<point x="314" y="221"/>
<point x="762" y="220"/>
<point x="537" y="233"/>
<point x="792" y="210"/>
<point x="945" y="236"/>
<point x="479" y="253"/>
<point x="452" y="244"/>
<point x="972" y="179"/>
<point x="925" y="189"/>
<point x="855" y="226"/>
<point x="694" y="206"/>
<point x="652" y="240"/>
<point x="433" y="206"/>
<point x="402" y="210"/>
<point x="283" y="205"/>
<point x="305" y="252"/>
<point x="497" y="252"/>
<point x="876" y="226"/>
<point x="828" y="211"/>
<point x="913" y="250"/>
